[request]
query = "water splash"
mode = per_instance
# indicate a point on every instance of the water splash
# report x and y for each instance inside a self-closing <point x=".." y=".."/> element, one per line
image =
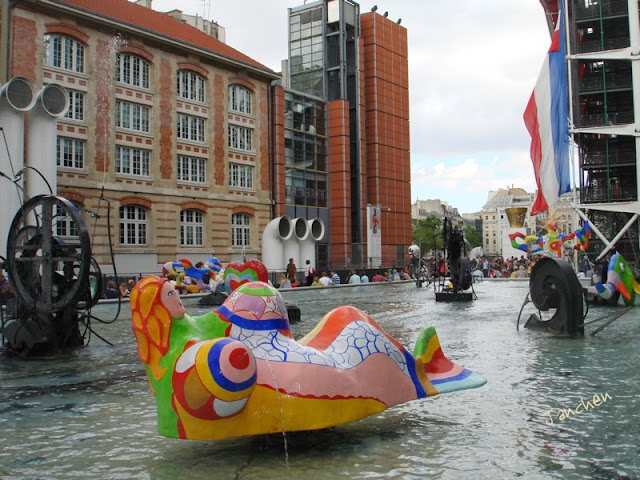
<point x="105" y="73"/>
<point x="284" y="432"/>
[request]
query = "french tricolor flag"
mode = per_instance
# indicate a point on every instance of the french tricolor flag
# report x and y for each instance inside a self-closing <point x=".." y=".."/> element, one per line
<point x="547" y="121"/>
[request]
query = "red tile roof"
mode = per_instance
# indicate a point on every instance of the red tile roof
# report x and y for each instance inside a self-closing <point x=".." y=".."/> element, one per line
<point x="138" y="16"/>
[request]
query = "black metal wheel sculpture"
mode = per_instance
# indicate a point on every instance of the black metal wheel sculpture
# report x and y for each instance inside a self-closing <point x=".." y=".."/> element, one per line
<point x="48" y="254"/>
<point x="553" y="285"/>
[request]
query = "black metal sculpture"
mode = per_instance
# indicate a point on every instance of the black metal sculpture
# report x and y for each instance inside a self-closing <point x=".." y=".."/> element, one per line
<point x="555" y="288"/>
<point x="459" y="267"/>
<point x="49" y="266"/>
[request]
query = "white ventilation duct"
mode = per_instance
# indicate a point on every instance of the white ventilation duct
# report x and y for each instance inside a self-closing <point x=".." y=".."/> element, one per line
<point x="308" y="244"/>
<point x="277" y="231"/>
<point x="16" y="97"/>
<point x="52" y="103"/>
<point x="292" y="245"/>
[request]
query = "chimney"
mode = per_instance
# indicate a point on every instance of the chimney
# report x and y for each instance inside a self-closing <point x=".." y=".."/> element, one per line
<point x="144" y="3"/>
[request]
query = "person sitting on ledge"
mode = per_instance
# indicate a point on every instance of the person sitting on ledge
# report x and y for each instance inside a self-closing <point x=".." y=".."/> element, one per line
<point x="354" y="277"/>
<point x="111" y="291"/>
<point x="284" y="281"/>
<point x="378" y="278"/>
<point x="325" y="280"/>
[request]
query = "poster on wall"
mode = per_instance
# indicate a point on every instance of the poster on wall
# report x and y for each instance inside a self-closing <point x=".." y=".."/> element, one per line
<point x="374" y="236"/>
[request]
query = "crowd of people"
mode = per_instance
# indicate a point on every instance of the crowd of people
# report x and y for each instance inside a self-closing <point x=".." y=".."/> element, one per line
<point x="332" y="278"/>
<point x="512" y="267"/>
<point x="489" y="267"/>
<point x="123" y="290"/>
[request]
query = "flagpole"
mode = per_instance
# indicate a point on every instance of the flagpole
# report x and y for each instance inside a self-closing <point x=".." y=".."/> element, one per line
<point x="572" y="143"/>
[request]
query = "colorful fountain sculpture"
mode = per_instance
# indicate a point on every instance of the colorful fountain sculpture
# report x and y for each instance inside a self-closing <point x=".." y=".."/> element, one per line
<point x="551" y="243"/>
<point x="238" y="371"/>
<point x="620" y="279"/>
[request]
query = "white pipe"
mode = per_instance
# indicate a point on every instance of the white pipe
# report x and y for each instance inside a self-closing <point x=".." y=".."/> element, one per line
<point x="308" y="244"/>
<point x="292" y="244"/>
<point x="16" y="97"/>
<point x="52" y="103"/>
<point x="274" y="235"/>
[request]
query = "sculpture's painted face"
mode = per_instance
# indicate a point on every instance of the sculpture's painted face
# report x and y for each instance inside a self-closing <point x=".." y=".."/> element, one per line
<point x="171" y="300"/>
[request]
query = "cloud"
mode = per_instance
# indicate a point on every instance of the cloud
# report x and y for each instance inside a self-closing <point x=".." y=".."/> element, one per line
<point x="472" y="68"/>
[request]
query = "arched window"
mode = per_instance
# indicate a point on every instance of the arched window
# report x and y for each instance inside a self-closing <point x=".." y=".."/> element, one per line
<point x="240" y="230"/>
<point x="190" y="86"/>
<point x="133" y="225"/>
<point x="240" y="99"/>
<point x="63" y="52"/>
<point x="132" y="70"/>
<point x="191" y="228"/>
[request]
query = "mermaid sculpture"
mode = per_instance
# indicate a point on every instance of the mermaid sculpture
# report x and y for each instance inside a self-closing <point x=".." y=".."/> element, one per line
<point x="237" y="371"/>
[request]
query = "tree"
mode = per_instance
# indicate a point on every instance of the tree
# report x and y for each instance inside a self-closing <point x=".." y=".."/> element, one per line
<point x="473" y="236"/>
<point x="427" y="233"/>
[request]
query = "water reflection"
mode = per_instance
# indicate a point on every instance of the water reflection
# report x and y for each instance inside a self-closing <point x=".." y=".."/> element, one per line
<point x="91" y="415"/>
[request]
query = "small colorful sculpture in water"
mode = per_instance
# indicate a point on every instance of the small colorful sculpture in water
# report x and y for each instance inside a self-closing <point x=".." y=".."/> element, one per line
<point x="551" y="243"/>
<point x="619" y="279"/>
<point x="237" y="371"/>
<point x="238" y="273"/>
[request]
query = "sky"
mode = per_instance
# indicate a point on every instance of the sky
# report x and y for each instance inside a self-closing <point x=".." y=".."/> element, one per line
<point x="472" y="67"/>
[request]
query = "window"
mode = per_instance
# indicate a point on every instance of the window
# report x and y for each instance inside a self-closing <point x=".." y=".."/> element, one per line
<point x="70" y="153"/>
<point x="192" y="169"/>
<point x="76" y="106"/>
<point x="190" y="86"/>
<point x="191" y="228"/>
<point x="240" y="176"/>
<point x="132" y="161"/>
<point x="132" y="70"/>
<point x="240" y="137"/>
<point x="239" y="99"/>
<point x="63" y="52"/>
<point x="132" y="116"/>
<point x="133" y="225"/>
<point x="64" y="226"/>
<point x="240" y="230"/>
<point x="190" y="128"/>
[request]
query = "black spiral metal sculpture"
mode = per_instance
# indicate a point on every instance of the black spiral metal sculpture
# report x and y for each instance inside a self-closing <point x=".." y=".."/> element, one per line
<point x="555" y="288"/>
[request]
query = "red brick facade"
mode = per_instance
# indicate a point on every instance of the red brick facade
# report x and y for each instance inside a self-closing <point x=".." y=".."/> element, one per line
<point x="386" y="92"/>
<point x="160" y="192"/>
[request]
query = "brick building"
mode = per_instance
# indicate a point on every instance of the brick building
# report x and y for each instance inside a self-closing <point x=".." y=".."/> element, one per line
<point x="196" y="147"/>
<point x="167" y="123"/>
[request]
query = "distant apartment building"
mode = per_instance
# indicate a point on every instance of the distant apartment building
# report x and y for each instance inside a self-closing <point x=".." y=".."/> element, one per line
<point x="422" y="209"/>
<point x="166" y="122"/>
<point x="498" y="216"/>
<point x="495" y="221"/>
